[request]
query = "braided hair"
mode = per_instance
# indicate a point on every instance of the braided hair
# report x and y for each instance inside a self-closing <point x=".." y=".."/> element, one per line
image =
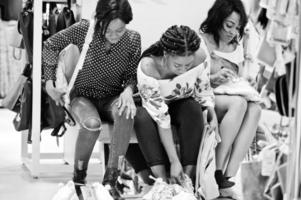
<point x="177" y="40"/>
<point x="108" y="10"/>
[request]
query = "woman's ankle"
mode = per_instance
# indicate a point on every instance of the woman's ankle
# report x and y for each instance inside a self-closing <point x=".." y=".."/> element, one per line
<point x="222" y="181"/>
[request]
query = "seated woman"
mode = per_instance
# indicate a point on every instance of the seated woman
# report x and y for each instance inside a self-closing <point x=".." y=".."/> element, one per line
<point x="173" y="82"/>
<point x="238" y="117"/>
<point x="104" y="87"/>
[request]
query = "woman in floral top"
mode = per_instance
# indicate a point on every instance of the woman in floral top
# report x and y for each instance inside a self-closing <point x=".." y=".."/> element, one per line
<point x="173" y="82"/>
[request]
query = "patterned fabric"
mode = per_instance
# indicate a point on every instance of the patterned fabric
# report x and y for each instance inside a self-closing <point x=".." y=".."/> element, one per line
<point x="104" y="73"/>
<point x="156" y="94"/>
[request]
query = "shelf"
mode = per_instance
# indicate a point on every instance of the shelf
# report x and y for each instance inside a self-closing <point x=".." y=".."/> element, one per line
<point x="55" y="1"/>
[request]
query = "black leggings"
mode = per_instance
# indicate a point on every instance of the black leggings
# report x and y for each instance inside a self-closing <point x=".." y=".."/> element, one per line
<point x="187" y="119"/>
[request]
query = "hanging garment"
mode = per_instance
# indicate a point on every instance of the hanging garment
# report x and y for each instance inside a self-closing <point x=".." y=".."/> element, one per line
<point x="65" y="19"/>
<point x="12" y="60"/>
<point x="282" y="96"/>
<point x="9" y="9"/>
<point x="53" y="17"/>
<point x="26" y="29"/>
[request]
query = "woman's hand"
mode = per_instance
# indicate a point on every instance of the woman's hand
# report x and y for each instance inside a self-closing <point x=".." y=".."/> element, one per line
<point x="54" y="93"/>
<point x="176" y="172"/>
<point x="212" y="119"/>
<point x="222" y="76"/>
<point x="126" y="103"/>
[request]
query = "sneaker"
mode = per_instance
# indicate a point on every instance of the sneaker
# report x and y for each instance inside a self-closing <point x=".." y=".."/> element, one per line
<point x="66" y="191"/>
<point x="110" y="182"/>
<point x="79" y="179"/>
<point x="222" y="181"/>
<point x="228" y="193"/>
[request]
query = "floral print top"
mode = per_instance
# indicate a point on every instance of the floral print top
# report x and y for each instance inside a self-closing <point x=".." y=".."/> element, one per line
<point x="156" y="94"/>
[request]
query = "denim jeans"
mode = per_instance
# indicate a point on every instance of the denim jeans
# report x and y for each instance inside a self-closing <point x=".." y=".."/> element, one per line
<point x="89" y="113"/>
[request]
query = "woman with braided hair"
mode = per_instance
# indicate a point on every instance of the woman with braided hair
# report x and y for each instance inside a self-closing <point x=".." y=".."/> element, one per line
<point x="173" y="82"/>
<point x="104" y="87"/>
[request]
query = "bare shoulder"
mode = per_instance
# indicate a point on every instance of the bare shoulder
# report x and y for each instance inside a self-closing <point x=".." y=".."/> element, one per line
<point x="200" y="56"/>
<point x="149" y="68"/>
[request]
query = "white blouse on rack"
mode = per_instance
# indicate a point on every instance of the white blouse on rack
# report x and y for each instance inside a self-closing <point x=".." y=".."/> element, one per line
<point x="156" y="94"/>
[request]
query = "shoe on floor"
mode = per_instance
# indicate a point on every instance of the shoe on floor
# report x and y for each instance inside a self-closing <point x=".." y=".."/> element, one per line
<point x="228" y="193"/>
<point x="110" y="182"/>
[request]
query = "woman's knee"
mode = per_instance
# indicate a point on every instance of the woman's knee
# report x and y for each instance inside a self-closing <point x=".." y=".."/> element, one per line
<point x="142" y="116"/>
<point x="254" y="109"/>
<point x="238" y="103"/>
<point x="92" y="124"/>
<point x="86" y="114"/>
<point x="144" y="125"/>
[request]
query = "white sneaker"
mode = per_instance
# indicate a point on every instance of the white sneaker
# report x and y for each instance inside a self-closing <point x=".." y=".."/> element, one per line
<point x="66" y="192"/>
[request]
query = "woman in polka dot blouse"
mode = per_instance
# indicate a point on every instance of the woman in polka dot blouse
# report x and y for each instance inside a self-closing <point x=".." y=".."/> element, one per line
<point x="105" y="85"/>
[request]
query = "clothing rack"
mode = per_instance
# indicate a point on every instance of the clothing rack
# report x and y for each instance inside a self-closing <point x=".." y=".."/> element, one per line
<point x="294" y="175"/>
<point x="32" y="159"/>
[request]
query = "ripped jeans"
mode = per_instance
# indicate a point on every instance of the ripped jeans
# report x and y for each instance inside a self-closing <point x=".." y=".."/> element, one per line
<point x="89" y="113"/>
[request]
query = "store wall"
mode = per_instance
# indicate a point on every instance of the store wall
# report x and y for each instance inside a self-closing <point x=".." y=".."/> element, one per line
<point x="153" y="17"/>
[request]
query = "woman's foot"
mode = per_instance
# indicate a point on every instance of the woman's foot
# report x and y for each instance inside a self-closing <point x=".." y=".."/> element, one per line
<point x="79" y="179"/>
<point x="222" y="181"/>
<point x="110" y="182"/>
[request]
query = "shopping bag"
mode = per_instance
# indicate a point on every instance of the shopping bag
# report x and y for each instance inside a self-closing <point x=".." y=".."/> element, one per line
<point x="14" y="93"/>
<point x="239" y="87"/>
<point x="205" y="185"/>
<point x="14" y="36"/>
<point x="162" y="191"/>
<point x="253" y="183"/>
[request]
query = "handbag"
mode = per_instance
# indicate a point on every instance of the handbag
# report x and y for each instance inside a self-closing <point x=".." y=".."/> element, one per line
<point x="205" y="184"/>
<point x="22" y="121"/>
<point x="52" y="116"/>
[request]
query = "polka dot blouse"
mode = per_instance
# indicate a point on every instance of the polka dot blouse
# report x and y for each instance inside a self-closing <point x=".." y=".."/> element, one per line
<point x="104" y="73"/>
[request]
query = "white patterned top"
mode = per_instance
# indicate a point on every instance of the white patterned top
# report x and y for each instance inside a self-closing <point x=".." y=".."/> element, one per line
<point x="156" y="94"/>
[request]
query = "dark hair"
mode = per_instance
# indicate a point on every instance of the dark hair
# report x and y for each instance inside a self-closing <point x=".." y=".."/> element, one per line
<point x="220" y="10"/>
<point x="108" y="10"/>
<point x="176" y="40"/>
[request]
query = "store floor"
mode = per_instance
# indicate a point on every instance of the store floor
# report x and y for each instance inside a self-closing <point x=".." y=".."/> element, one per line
<point x="16" y="182"/>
